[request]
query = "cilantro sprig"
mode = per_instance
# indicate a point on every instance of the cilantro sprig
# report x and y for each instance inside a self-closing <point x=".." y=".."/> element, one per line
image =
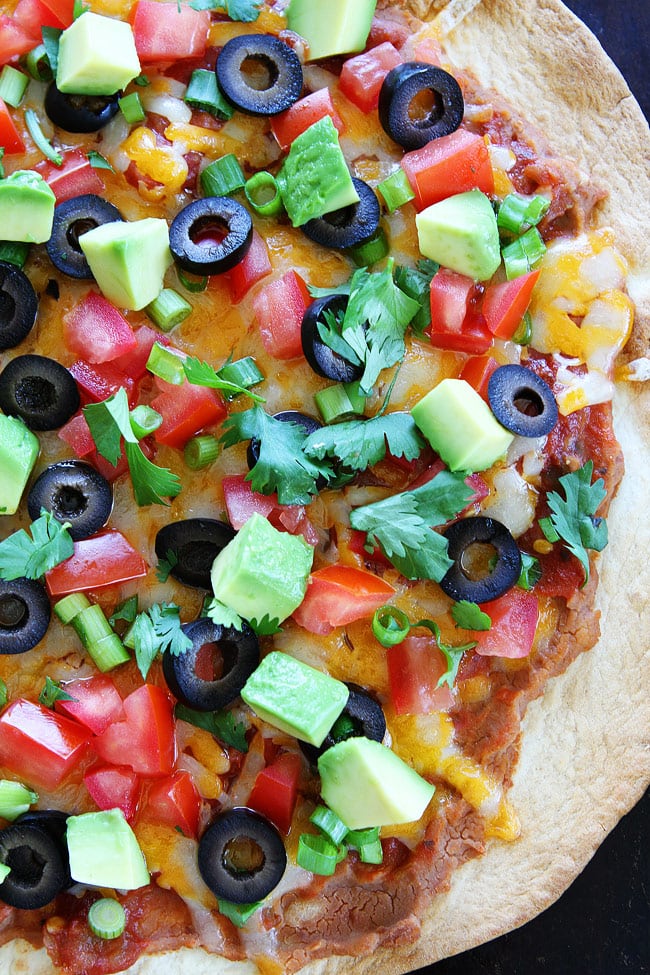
<point x="470" y="616"/>
<point x="155" y="631"/>
<point x="452" y="654"/>
<point x="203" y="374"/>
<point x="53" y="692"/>
<point x="245" y="11"/>
<point x="360" y="444"/>
<point x="222" y="724"/>
<point x="31" y="556"/>
<point x="223" y="615"/>
<point x="573" y="517"/>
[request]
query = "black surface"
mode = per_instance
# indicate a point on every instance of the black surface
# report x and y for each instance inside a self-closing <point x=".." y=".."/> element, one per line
<point x="601" y="925"/>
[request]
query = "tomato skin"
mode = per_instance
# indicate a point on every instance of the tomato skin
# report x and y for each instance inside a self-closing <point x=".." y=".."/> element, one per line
<point x="279" y="307"/>
<point x="340" y="594"/>
<point x="288" y="125"/>
<point x="414" y="668"/>
<point x="357" y="545"/>
<point x="40" y="746"/>
<point x="97" y="381"/>
<point x="63" y="9"/>
<point x="168" y="33"/>
<point x="114" y="787"/>
<point x="255" y="266"/>
<point x="97" y="702"/>
<point x="76" y="433"/>
<point x="134" y="364"/>
<point x="95" y="329"/>
<point x="504" y="305"/>
<point x="74" y="178"/>
<point x="10" y="138"/>
<point x="514" y="621"/>
<point x="145" y="740"/>
<point x="14" y="41"/>
<point x="477" y="371"/>
<point x="185" y="410"/>
<point x="241" y="502"/>
<point x="32" y="15"/>
<point x="363" y="75"/>
<point x="105" y="559"/>
<point x="275" y="790"/>
<point x="455" y="323"/>
<point x="451" y="164"/>
<point x="175" y="802"/>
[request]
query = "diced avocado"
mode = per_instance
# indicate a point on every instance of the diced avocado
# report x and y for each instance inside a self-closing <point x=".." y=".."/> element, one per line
<point x="128" y="260"/>
<point x="26" y="207"/>
<point x="332" y="26"/>
<point x="315" y="178"/>
<point x="97" y="56"/>
<point x="104" y="851"/>
<point x="295" y="697"/>
<point x="461" y="233"/>
<point x="262" y="571"/>
<point x="18" y="452"/>
<point x="460" y="426"/>
<point x="366" y="784"/>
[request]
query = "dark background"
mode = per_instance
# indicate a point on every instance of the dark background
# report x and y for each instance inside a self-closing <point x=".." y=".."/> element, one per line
<point x="601" y="925"/>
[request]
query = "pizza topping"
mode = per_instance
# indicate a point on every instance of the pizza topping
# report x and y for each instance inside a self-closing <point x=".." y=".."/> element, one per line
<point x="259" y="74"/>
<point x="210" y="236"/>
<point x="362" y="716"/>
<point x="39" y="390"/>
<point x="97" y="56"/>
<point x="18" y="306"/>
<point x="26" y="207"/>
<point x="104" y="851"/>
<point x="75" y="493"/>
<point x="521" y="401"/>
<point x="573" y="518"/>
<point x="331" y="28"/>
<point x="40" y="746"/>
<point x="486" y="560"/>
<point x="37" y="869"/>
<point x="19" y="449"/>
<point x="15" y="799"/>
<point x="107" y="918"/>
<point x="22" y="554"/>
<point x="241" y="856"/>
<point x="350" y="226"/>
<point x="418" y="103"/>
<point x="79" y="113"/>
<point x="72" y="218"/>
<point x="461" y="233"/>
<point x="128" y="259"/>
<point x="190" y="547"/>
<point x="340" y="366"/>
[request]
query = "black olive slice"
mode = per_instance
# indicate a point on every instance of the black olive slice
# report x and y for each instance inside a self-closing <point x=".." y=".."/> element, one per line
<point x="521" y="401"/>
<point x="259" y="74"/>
<point x="38" y="871"/>
<point x="194" y="544"/>
<point x="323" y="360"/>
<point x="440" y="111"/>
<point x="241" y="856"/>
<point x="79" y="113"/>
<point x="362" y="717"/>
<point x="487" y="560"/>
<point x="72" y="218"/>
<point x="212" y="672"/>
<point x="39" y="390"/>
<point x="308" y="424"/>
<point x="75" y="492"/>
<point x="54" y="822"/>
<point x="24" y="614"/>
<point x="350" y="225"/>
<point x="18" y="306"/>
<point x="211" y="235"/>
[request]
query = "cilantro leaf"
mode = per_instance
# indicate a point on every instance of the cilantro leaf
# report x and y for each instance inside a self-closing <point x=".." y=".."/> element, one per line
<point x="330" y="332"/>
<point x="335" y="289"/>
<point x="158" y="630"/>
<point x="359" y="444"/>
<point x="245" y="11"/>
<point x="166" y="565"/>
<point x="266" y="626"/>
<point x="470" y="616"/>
<point x="453" y="654"/>
<point x="127" y="611"/>
<point x="573" y="518"/>
<point x="416" y="282"/>
<point x="49" y="545"/>
<point x="4" y="696"/>
<point x="51" y="692"/>
<point x="221" y="724"/>
<point x="151" y="484"/>
<point x="223" y="615"/>
<point x="97" y="161"/>
<point x="531" y="571"/>
<point x="203" y="374"/>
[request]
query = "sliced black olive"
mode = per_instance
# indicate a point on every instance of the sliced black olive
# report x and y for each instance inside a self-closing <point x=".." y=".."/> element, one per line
<point x="521" y="401"/>
<point x="259" y="74"/>
<point x="419" y="102"/>
<point x="211" y="235"/>
<point x="323" y="360"/>
<point x="487" y="560"/>
<point x="212" y="672"/>
<point x="38" y="871"/>
<point x="74" y="492"/>
<point x="308" y="424"/>
<point x="72" y="218"/>
<point x="194" y="544"/>
<point x="18" y="306"/>
<point x="24" y="614"/>
<point x="362" y="717"/>
<point x="79" y="113"/>
<point x="350" y="225"/>
<point x="39" y="390"/>
<point x="54" y="822"/>
<point x="241" y="856"/>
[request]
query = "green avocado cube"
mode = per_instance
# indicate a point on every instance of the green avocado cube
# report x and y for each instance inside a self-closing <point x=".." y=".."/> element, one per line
<point x="294" y="697"/>
<point x="366" y="784"/>
<point x="26" y="207"/>
<point x="315" y="178"/>
<point x="332" y="26"/>
<point x="97" y="56"/>
<point x="104" y="851"/>
<point x="461" y="233"/>
<point x="128" y="260"/>
<point x="461" y="427"/>
<point x="262" y="571"/>
<point x="18" y="452"/>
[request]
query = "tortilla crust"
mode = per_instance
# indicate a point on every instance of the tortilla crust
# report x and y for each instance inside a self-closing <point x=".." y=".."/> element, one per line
<point x="585" y="753"/>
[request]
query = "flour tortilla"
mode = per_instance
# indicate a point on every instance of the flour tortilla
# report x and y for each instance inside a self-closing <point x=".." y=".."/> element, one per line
<point x="585" y="756"/>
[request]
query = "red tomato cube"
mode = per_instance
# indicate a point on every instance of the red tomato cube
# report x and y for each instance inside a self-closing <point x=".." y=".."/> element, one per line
<point x="38" y="745"/>
<point x="340" y="594"/>
<point x="477" y="371"/>
<point x="114" y="787"/>
<point x="504" y="305"/>
<point x="186" y="410"/>
<point x="10" y="137"/>
<point x="414" y="668"/>
<point x="255" y="266"/>
<point x="363" y="75"/>
<point x="145" y="741"/>
<point x="279" y="308"/>
<point x="275" y="790"/>
<point x="168" y="32"/>
<point x="74" y="178"/>
<point x="14" y="41"/>
<point x="105" y="559"/>
<point x="514" y="622"/>
<point x="175" y="802"/>
<point x="95" y="703"/>
<point x="288" y="125"/>
<point x="455" y="323"/>
<point x="76" y="433"/>
<point x="98" y="381"/>
<point x="448" y="165"/>
<point x="96" y="330"/>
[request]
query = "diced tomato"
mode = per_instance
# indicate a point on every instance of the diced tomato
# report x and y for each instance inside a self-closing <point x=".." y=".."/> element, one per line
<point x="76" y="433"/>
<point x="186" y="410"/>
<point x="241" y="502"/>
<point x="455" y="323"/>
<point x="288" y="125"/>
<point x="32" y="15"/>
<point x="63" y="9"/>
<point x="363" y="75"/>
<point x="477" y="371"/>
<point x="451" y="164"/>
<point x="255" y="266"/>
<point x="514" y="621"/>
<point x="98" y="381"/>
<point x="504" y="305"/>
<point x="168" y="32"/>
<point x="114" y="787"/>
<point x="105" y="559"/>
<point x="357" y="543"/>
<point x="96" y="330"/>
<point x="429" y="51"/>
<point x="175" y="802"/>
<point x="74" y="178"/>
<point x="134" y="364"/>
<point x="414" y="668"/>
<point x="279" y="308"/>
<point x="145" y="741"/>
<point x="38" y="745"/>
<point x="275" y="790"/>
<point x="95" y="703"/>
<point x="340" y="594"/>
<point x="14" y="41"/>
<point x="10" y="138"/>
<point x="562" y="573"/>
<point x="479" y="487"/>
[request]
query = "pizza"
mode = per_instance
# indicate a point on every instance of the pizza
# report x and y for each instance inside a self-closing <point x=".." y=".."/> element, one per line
<point x="507" y="718"/>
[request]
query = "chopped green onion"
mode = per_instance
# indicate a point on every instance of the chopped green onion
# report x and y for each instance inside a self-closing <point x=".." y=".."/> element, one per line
<point x="242" y="372"/>
<point x="367" y="843"/>
<point x="37" y="64"/>
<point x="14" y="252"/>
<point x="144" y="420"/>
<point x="518" y="213"/>
<point x="222" y="177"/>
<point x="370" y="251"/>
<point x="46" y="147"/>
<point x="318" y="855"/>
<point x="204" y="93"/>
<point x="531" y="572"/>
<point x="107" y="918"/>
<point x="108" y="653"/>
<point x="4" y="696"/>
<point x="193" y="286"/>
<point x="344" y="727"/>
<point x="93" y="629"/>
<point x="168" y="310"/>
<point x="12" y="85"/>
<point x="237" y="913"/>
<point x="166" y="364"/>
<point x="51" y="37"/>
<point x="70" y="606"/>
<point x="97" y="161"/>
<point x="91" y="624"/>
<point x="396" y="190"/>
<point x="548" y="530"/>
<point x="15" y="799"/>
<point x="141" y="81"/>
<point x="263" y="194"/>
<point x="131" y="108"/>
<point x="522" y="254"/>
<point x="336" y="403"/>
<point x="524" y="332"/>
<point x="201" y="452"/>
<point x="390" y="625"/>
<point x="330" y="824"/>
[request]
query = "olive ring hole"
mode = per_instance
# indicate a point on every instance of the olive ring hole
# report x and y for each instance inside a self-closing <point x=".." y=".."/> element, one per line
<point x="13" y="611"/>
<point x="259" y="72"/>
<point x="210" y="230"/>
<point x="70" y="501"/>
<point x="426" y="107"/>
<point x="26" y="865"/>
<point x="528" y="402"/>
<point x="243" y="855"/>
<point x="215" y="660"/>
<point x="478" y="561"/>
<point x="76" y="229"/>
<point x="35" y="393"/>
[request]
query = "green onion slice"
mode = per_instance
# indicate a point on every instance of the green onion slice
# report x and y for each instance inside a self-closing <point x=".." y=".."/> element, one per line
<point x="201" y="452"/>
<point x="237" y="913"/>
<point x="524" y="332"/>
<point x="131" y="108"/>
<point x="222" y="177"/>
<point x="144" y="420"/>
<point x="14" y="252"/>
<point x="370" y="251"/>
<point x="194" y="286"/>
<point x="263" y="194"/>
<point x="168" y="310"/>
<point x="242" y="372"/>
<point x="107" y="918"/>
<point x="36" y="132"/>
<point x="204" y="93"/>
<point x="390" y="625"/>
<point x="522" y="254"/>
<point x="518" y="213"/>
<point x="166" y="365"/>
<point x="37" y="63"/>
<point x="367" y="843"/>
<point x="396" y="190"/>
<point x="15" y="799"/>
<point x="318" y="855"/>
<point x="330" y="824"/>
<point x="12" y="85"/>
